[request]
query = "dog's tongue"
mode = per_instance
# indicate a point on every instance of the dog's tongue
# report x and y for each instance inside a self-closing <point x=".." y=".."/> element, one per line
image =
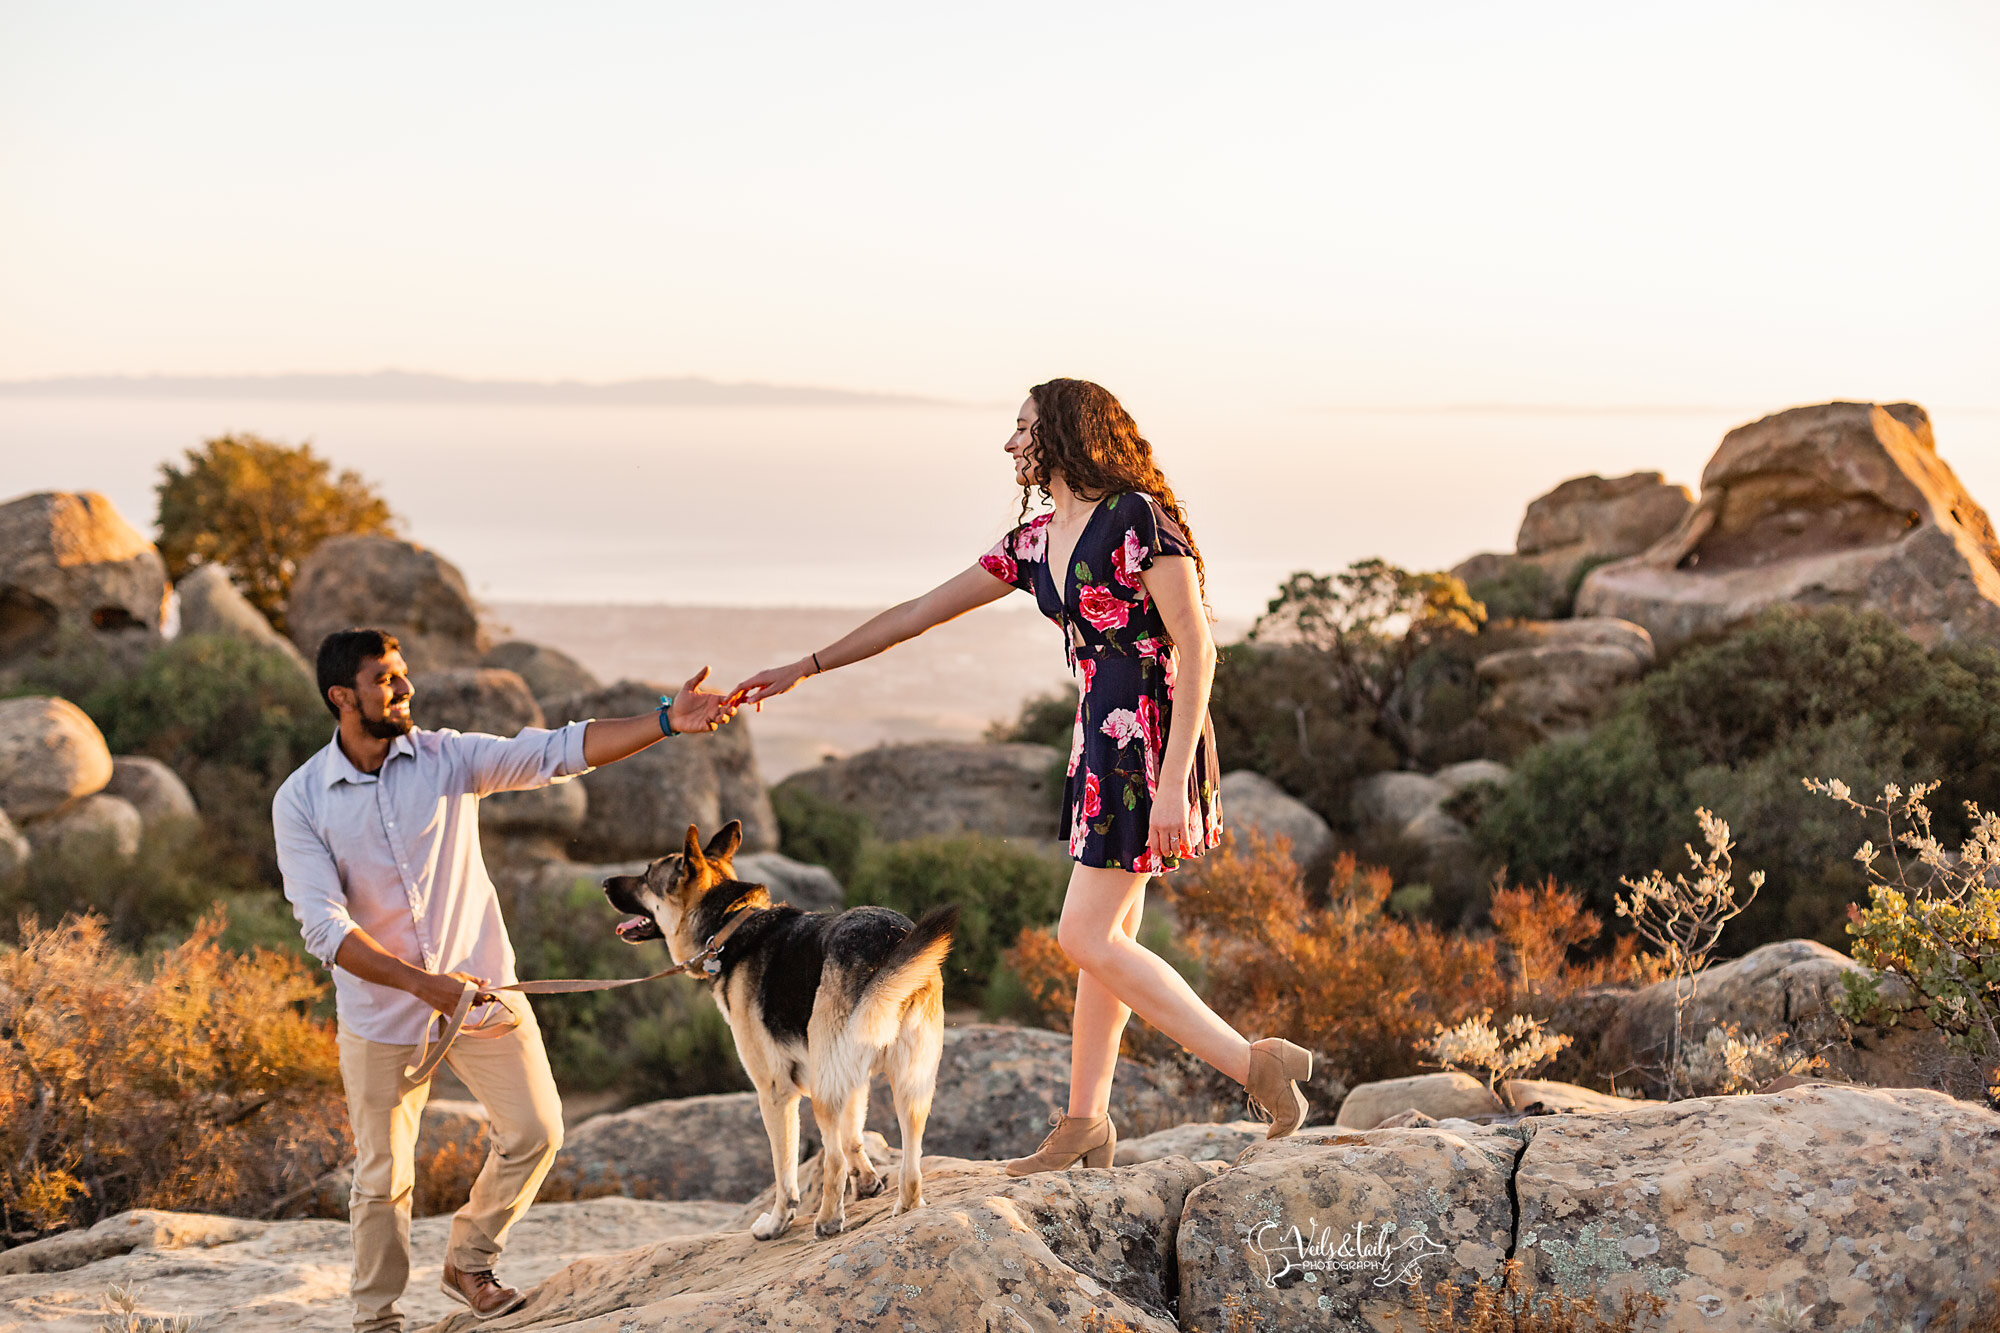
<point x="632" y="926"/>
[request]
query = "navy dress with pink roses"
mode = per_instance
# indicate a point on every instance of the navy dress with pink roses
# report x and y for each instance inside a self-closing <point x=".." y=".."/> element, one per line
<point x="1119" y="647"/>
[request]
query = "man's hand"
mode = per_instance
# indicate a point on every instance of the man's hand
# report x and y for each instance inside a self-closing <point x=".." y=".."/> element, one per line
<point x="696" y="709"/>
<point x="441" y="990"/>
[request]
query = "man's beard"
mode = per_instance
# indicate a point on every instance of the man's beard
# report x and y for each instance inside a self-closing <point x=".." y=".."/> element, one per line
<point x="386" y="728"/>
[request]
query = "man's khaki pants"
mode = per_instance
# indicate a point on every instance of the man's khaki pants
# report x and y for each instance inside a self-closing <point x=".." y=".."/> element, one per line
<point x="510" y="1076"/>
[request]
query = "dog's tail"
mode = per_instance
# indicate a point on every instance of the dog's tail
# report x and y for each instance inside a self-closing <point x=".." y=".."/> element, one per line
<point x="915" y="962"/>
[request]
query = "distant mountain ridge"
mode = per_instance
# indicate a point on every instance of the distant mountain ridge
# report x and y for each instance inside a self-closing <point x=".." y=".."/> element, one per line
<point x="402" y="386"/>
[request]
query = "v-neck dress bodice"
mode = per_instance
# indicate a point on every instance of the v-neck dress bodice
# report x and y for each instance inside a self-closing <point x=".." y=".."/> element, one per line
<point x="1120" y="650"/>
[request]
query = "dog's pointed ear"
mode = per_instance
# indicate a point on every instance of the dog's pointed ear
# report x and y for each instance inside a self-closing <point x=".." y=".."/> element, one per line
<point x="692" y="848"/>
<point x="722" y="847"/>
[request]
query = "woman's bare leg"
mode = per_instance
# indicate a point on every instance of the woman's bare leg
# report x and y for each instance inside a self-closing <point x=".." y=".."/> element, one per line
<point x="1097" y="1025"/>
<point x="1091" y="933"/>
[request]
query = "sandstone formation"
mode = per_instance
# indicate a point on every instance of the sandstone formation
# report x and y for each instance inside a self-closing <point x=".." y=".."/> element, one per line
<point x="808" y="887"/>
<point x="210" y="604"/>
<point x="1197" y="1142"/>
<point x="1841" y="503"/>
<point x="99" y="820"/>
<point x="1542" y="1096"/>
<point x="1599" y="518"/>
<point x="1549" y="677"/>
<point x="150" y="787"/>
<point x="73" y="571"/>
<point x="1251" y="801"/>
<point x="382" y="583"/>
<point x="1440" y="1096"/>
<point x="1006" y="790"/>
<point x="51" y="753"/>
<point x="229" y="1273"/>
<point x="14" y="849"/>
<point x="480" y="699"/>
<point x="709" y="1147"/>
<point x="550" y="673"/>
<point x="1410" y="806"/>
<point x="1392" y="800"/>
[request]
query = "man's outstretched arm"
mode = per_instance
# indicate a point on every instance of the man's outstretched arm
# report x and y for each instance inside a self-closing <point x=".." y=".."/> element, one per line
<point x="607" y="740"/>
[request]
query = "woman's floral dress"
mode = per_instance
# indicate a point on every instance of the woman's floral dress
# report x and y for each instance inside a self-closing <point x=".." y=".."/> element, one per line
<point x="1119" y="646"/>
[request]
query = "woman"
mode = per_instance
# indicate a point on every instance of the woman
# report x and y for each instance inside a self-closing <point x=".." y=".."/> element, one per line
<point x="1112" y="562"/>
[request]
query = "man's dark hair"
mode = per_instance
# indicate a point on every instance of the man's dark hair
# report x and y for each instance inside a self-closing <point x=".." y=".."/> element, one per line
<point x="341" y="654"/>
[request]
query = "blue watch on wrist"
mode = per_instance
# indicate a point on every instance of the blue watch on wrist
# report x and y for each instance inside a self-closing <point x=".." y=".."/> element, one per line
<point x="666" y="727"/>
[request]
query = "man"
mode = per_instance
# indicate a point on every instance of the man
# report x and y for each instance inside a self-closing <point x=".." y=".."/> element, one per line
<point x="378" y="842"/>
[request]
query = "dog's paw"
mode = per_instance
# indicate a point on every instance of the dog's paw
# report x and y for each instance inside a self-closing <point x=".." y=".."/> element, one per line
<point x="870" y="1187"/>
<point x="770" y="1226"/>
<point x="824" y="1229"/>
<point x="902" y="1208"/>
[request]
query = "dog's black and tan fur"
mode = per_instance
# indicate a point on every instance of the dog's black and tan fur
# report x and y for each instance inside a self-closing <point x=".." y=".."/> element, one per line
<point x="818" y="1003"/>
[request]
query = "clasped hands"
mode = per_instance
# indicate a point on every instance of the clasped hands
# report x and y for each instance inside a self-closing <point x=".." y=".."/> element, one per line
<point x="769" y="684"/>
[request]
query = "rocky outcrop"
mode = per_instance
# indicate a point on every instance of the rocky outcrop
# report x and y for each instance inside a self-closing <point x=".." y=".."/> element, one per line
<point x="73" y="571"/>
<point x="1599" y="518"/>
<point x="1440" y="1096"/>
<point x="480" y="699"/>
<point x="1788" y="986"/>
<point x="99" y="821"/>
<point x="1209" y="1142"/>
<point x="14" y="849"/>
<point x="711" y="1147"/>
<point x="231" y="1273"/>
<point x="909" y="791"/>
<point x="1254" y="802"/>
<point x="549" y="672"/>
<point x="51" y="753"/>
<point x="210" y="604"/>
<point x="151" y="788"/>
<point x="1842" y="503"/>
<point x="1546" y="678"/>
<point x="1540" y="1096"/>
<point x="807" y="887"/>
<point x="641" y="807"/>
<point x="382" y="583"/>
<point x="1410" y="806"/>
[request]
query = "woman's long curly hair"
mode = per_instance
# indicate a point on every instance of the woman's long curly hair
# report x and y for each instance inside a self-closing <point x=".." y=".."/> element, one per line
<point x="1087" y="436"/>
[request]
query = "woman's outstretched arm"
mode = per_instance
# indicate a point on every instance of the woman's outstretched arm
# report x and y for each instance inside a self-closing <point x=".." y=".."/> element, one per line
<point x="953" y="598"/>
<point x="1172" y="584"/>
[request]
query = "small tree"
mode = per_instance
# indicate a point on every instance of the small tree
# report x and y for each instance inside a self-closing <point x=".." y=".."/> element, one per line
<point x="260" y="508"/>
<point x="1371" y="623"/>
<point x="1516" y="1049"/>
<point x="1683" y="919"/>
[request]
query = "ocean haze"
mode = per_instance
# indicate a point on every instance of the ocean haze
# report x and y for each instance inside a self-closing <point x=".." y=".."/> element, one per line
<point x="402" y="386"/>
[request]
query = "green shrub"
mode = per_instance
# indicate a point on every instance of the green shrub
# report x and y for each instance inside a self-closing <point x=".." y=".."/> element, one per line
<point x="1523" y="591"/>
<point x="818" y="832"/>
<point x="1046" y="719"/>
<point x="1277" y="711"/>
<point x="1732" y="724"/>
<point x="1000" y="889"/>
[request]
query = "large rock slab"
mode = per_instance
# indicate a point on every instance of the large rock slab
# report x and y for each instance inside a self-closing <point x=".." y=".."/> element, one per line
<point x="1840" y="503"/>
<point x="51" y="753"/>
<point x="381" y="583"/>
<point x="1599" y="518"/>
<point x="1252" y="801"/>
<point x="483" y="699"/>
<point x="641" y="806"/>
<point x="1008" y="790"/>
<point x="550" y="672"/>
<point x="231" y="1273"/>
<point x="989" y="1252"/>
<point x="72" y="570"/>
<point x="1439" y="1096"/>
<point x="211" y="604"/>
<point x="151" y="788"/>
<point x="1558" y="676"/>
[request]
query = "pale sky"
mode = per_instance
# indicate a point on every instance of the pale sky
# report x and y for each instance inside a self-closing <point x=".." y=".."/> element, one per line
<point x="1208" y="208"/>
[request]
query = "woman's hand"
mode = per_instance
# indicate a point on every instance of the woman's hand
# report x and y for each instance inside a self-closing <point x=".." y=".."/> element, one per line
<point x="769" y="684"/>
<point x="1168" y="835"/>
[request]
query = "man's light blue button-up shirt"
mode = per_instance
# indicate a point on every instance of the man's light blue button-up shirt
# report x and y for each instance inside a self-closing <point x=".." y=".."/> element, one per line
<point x="396" y="853"/>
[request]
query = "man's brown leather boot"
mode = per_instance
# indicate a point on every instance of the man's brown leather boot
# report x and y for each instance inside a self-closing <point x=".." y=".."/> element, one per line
<point x="485" y="1294"/>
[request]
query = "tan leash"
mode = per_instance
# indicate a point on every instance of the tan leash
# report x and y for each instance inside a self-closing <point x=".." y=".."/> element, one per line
<point x="431" y="1052"/>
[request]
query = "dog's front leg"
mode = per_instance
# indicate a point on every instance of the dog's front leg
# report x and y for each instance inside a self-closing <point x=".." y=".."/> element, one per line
<point x="780" y="1108"/>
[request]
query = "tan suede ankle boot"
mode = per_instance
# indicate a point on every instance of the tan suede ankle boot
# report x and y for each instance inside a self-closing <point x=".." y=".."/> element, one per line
<point x="1275" y="1067"/>
<point x="1091" y="1140"/>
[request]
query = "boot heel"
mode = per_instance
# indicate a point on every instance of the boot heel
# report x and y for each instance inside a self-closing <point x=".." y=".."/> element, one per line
<point x="1298" y="1063"/>
<point x="1101" y="1154"/>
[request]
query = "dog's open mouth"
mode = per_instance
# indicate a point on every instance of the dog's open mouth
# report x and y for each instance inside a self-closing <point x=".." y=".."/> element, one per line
<point x="637" y="929"/>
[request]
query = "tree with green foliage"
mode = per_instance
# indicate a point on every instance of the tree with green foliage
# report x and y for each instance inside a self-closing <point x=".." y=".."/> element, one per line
<point x="260" y="508"/>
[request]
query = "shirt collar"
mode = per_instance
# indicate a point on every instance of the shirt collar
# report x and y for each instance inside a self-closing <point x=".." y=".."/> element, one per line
<point x="336" y="767"/>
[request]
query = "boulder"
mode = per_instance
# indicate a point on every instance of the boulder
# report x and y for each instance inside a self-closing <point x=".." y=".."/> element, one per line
<point x="1841" y="503"/>
<point x="1451" y="1093"/>
<point x="1599" y="518"/>
<point x="72" y="570"/>
<point x="1005" y="790"/>
<point x="808" y="887"/>
<point x="641" y="807"/>
<point x="480" y="699"/>
<point x="1390" y="801"/>
<point x="150" y="787"/>
<point x="1457" y="777"/>
<point x="1553" y="677"/>
<point x="397" y="586"/>
<point x="1861" y="1208"/>
<point x="1511" y="586"/>
<point x="102" y="820"/>
<point x="710" y="1147"/>
<point x="14" y="849"/>
<point x="1546" y="1097"/>
<point x="51" y="753"/>
<point x="550" y="815"/>
<point x="210" y="604"/>
<point x="1059" y="1249"/>
<point x="1252" y="801"/>
<point x="1787" y="986"/>
<point x="1208" y="1142"/>
<point x="550" y="673"/>
<point x="231" y="1273"/>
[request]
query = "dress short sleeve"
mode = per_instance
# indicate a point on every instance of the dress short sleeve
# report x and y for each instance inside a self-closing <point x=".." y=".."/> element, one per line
<point x="1014" y="557"/>
<point x="1150" y="532"/>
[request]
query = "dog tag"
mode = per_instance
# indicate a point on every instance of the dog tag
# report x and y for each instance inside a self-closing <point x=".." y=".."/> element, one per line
<point x="711" y="966"/>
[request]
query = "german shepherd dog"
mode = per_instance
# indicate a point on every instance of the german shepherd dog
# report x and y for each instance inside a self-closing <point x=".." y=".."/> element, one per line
<point x="818" y="1003"/>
